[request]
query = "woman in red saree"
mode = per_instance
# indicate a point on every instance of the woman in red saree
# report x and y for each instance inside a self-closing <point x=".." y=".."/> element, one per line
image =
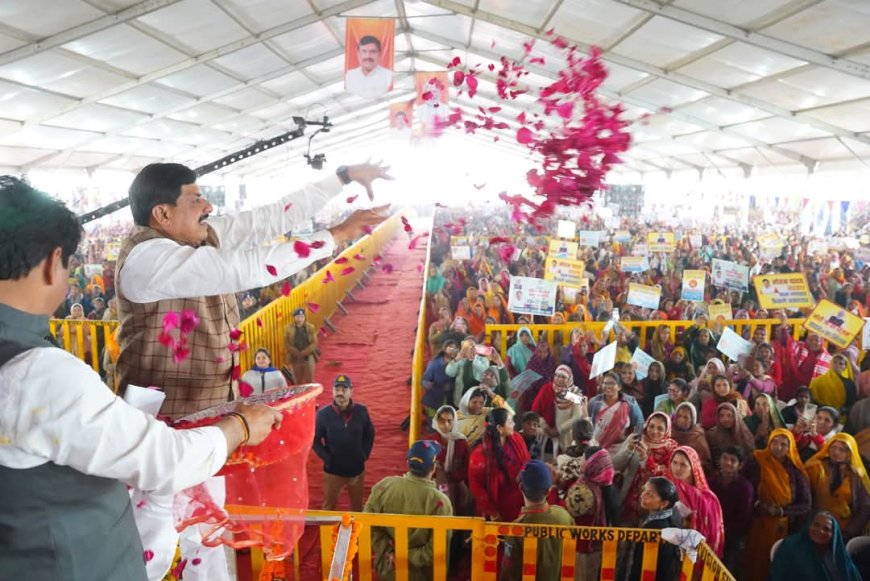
<point x="494" y="467"/>
<point x="686" y="471"/>
<point x="613" y="414"/>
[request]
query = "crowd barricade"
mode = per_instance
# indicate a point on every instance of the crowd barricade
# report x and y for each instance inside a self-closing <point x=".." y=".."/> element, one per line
<point x="265" y="328"/>
<point x="421" y="347"/>
<point x="485" y="537"/>
<point x="83" y="338"/>
<point x="642" y="329"/>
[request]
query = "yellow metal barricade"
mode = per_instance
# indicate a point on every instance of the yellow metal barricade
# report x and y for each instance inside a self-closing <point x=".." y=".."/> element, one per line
<point x="83" y="338"/>
<point x="421" y="355"/>
<point x="485" y="540"/>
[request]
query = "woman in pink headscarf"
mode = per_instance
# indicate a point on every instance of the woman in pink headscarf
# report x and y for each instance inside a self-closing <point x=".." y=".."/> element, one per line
<point x="687" y="473"/>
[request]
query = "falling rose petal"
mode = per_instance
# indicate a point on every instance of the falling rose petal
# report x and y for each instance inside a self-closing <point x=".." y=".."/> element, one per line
<point x="313" y="307"/>
<point x="196" y="561"/>
<point x="140" y="504"/>
<point x="259" y="322"/>
<point x="236" y="334"/>
<point x="180" y="354"/>
<point x="245" y="390"/>
<point x="170" y="321"/>
<point x="286" y="288"/>
<point x="328" y="277"/>
<point x="323" y="332"/>
<point x="189" y="321"/>
<point x="347" y="271"/>
<point x="427" y="96"/>
<point x="219" y="359"/>
<point x="318" y="244"/>
<point x="359" y="257"/>
<point x="387" y="268"/>
<point x="499" y="240"/>
<point x="454" y="63"/>
<point x="148" y="555"/>
<point x="301" y="249"/>
<point x="506" y="252"/>
<point x="490" y="66"/>
<point x="536" y="61"/>
<point x="271" y="270"/>
<point x="235" y="372"/>
<point x="368" y="229"/>
<point x="340" y="260"/>
<point x="419" y="268"/>
<point x="565" y="110"/>
<point x="416" y="240"/>
<point x="352" y="199"/>
<point x="166" y="339"/>
<point x="458" y="78"/>
<point x="408" y="228"/>
<point x="288" y="205"/>
<point x="525" y="136"/>
<point x="178" y="571"/>
<point x="472" y="85"/>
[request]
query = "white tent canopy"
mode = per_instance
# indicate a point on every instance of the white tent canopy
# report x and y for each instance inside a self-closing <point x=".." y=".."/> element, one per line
<point x="733" y="85"/>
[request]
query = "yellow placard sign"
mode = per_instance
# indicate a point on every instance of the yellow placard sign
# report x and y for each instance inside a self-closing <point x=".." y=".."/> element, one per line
<point x="565" y="272"/>
<point x="778" y="291"/>
<point x="721" y="311"/>
<point x="113" y="249"/>
<point x="661" y="242"/>
<point x="563" y="249"/>
<point x="834" y="323"/>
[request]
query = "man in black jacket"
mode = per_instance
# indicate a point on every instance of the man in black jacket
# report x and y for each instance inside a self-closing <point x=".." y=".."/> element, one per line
<point x="343" y="438"/>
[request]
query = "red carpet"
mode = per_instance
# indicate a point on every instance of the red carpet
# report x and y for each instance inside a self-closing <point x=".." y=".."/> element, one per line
<point x="373" y="346"/>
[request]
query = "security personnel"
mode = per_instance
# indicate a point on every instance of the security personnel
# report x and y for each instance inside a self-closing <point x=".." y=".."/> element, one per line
<point x="343" y="438"/>
<point x="414" y="493"/>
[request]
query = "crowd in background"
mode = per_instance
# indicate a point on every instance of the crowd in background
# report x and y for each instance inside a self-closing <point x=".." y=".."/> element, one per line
<point x="755" y="447"/>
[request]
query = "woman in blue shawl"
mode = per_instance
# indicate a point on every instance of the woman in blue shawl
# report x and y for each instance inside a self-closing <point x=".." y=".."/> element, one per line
<point x="816" y="553"/>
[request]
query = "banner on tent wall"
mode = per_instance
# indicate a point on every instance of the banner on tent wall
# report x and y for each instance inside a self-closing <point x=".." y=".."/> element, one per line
<point x="532" y="296"/>
<point x="589" y="237"/>
<point x="783" y="291"/>
<point x="401" y="115"/>
<point x="562" y="249"/>
<point x="642" y="295"/>
<point x="661" y="242"/>
<point x="730" y="274"/>
<point x="633" y="264"/>
<point x="369" y="56"/>
<point x="693" y="285"/>
<point x="721" y="311"/>
<point x="460" y="252"/>
<point x="432" y="99"/>
<point x="566" y="229"/>
<point x="834" y="323"/>
<point x="622" y="236"/>
<point x="565" y="272"/>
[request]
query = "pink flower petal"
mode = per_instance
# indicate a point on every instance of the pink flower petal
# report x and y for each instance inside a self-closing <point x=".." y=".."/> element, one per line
<point x="236" y="334"/>
<point x="189" y="321"/>
<point x="313" y="307"/>
<point x="318" y="244"/>
<point x="166" y="339"/>
<point x="286" y="288"/>
<point x="565" y="110"/>
<point x="458" y="78"/>
<point x="180" y="354"/>
<point x="368" y="229"/>
<point x="340" y="260"/>
<point x="387" y="268"/>
<point x="351" y="199"/>
<point x="453" y="63"/>
<point x="525" y="136"/>
<point x="219" y="359"/>
<point x="347" y="271"/>
<point x="140" y="504"/>
<point x="235" y="372"/>
<point x="170" y="321"/>
<point x="259" y="322"/>
<point x="471" y="81"/>
<point x="148" y="555"/>
<point x="287" y="206"/>
<point x="419" y="268"/>
<point x="196" y="561"/>
<point x="499" y="240"/>
<point x="416" y="240"/>
<point x="271" y="270"/>
<point x="178" y="570"/>
<point x="245" y="389"/>
<point x="359" y="257"/>
<point x="301" y="249"/>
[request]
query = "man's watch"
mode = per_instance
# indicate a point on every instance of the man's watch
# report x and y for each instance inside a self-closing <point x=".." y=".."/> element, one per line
<point x="343" y="174"/>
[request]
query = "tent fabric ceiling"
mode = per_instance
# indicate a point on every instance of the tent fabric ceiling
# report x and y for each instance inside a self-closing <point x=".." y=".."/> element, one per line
<point x="709" y="84"/>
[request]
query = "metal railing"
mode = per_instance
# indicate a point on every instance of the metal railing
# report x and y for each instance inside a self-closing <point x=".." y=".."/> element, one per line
<point x="485" y="537"/>
<point x="419" y="362"/>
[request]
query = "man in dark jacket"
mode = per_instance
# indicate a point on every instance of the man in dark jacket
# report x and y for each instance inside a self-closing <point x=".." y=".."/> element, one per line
<point x="343" y="438"/>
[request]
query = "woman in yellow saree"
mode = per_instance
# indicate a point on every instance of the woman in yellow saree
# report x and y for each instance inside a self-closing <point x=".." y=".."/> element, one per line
<point x="836" y="387"/>
<point x="840" y="484"/>
<point x="783" y="499"/>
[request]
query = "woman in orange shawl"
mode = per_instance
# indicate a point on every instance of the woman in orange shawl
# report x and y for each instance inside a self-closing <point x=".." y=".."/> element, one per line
<point x="783" y="499"/>
<point x="840" y="484"/>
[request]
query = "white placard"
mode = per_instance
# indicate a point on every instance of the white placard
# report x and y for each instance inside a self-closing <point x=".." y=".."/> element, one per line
<point x="696" y="241"/>
<point x="589" y="237"/>
<point x="730" y="275"/>
<point x="865" y="336"/>
<point x="566" y="229"/>
<point x="461" y="252"/>
<point x="641" y="361"/>
<point x="603" y="360"/>
<point x="144" y="399"/>
<point x="733" y="345"/>
<point x="532" y="296"/>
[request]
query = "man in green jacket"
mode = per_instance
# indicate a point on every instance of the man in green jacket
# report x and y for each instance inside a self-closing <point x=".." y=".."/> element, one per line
<point x="413" y="493"/>
<point x="535" y="482"/>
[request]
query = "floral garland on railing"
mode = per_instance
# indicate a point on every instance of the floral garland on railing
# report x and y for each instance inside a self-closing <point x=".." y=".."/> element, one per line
<point x="353" y="545"/>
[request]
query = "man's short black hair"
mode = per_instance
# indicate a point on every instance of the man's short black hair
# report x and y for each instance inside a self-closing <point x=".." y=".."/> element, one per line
<point x="369" y="39"/>
<point x="529" y="416"/>
<point x="32" y="225"/>
<point x="155" y="184"/>
<point x="534" y="495"/>
<point x="735" y="451"/>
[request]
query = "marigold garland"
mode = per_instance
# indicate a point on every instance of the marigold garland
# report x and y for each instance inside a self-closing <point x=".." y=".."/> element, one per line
<point x="353" y="546"/>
